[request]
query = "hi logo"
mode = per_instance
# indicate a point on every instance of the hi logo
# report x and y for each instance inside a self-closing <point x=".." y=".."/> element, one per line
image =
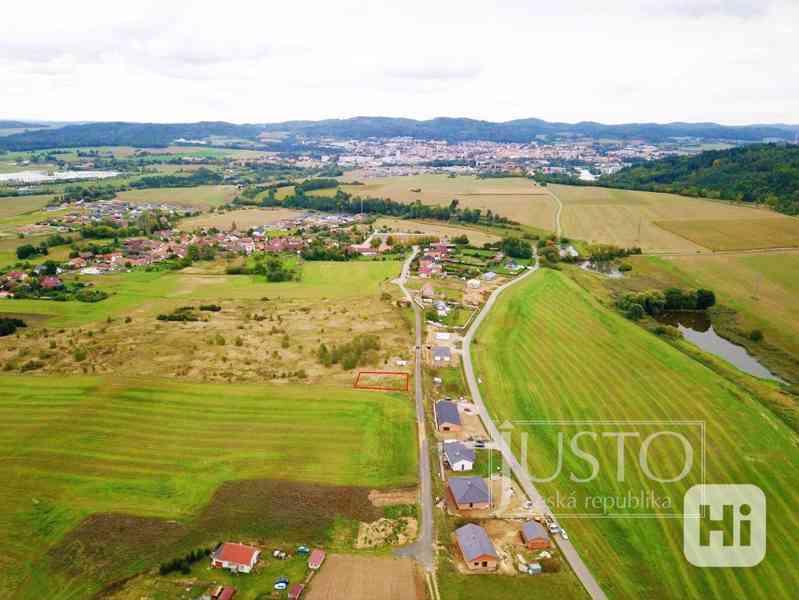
<point x="724" y="525"/>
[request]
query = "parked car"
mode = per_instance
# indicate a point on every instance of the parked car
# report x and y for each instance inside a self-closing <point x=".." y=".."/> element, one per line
<point x="563" y="534"/>
<point x="479" y="444"/>
<point x="281" y="584"/>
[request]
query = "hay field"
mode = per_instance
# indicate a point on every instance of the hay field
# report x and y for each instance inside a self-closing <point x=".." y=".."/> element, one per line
<point x="516" y="198"/>
<point x="477" y="236"/>
<point x="737" y="234"/>
<point x="588" y="363"/>
<point x="243" y="218"/>
<point x="761" y="288"/>
<point x="150" y="457"/>
<point x="605" y="215"/>
<point x="199" y="197"/>
<point x="18" y="205"/>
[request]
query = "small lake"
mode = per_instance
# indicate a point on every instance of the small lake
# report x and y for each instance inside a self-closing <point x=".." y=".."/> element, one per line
<point x="697" y="328"/>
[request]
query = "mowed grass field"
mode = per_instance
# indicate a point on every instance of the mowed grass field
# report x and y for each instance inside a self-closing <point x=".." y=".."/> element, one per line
<point x="199" y="197"/>
<point x="761" y="288"/>
<point x="737" y="234"/>
<point x="142" y="293"/>
<point x="657" y="222"/>
<point x="243" y="218"/>
<point x="550" y="351"/>
<point x="147" y="455"/>
<point x="516" y="198"/>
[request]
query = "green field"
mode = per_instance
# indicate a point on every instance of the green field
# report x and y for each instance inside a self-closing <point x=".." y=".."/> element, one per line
<point x="146" y="293"/>
<point x="550" y="351"/>
<point x="199" y="197"/>
<point x="760" y="288"/>
<point x="148" y="455"/>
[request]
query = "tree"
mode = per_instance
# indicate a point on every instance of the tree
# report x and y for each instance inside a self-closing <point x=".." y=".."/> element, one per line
<point x="26" y="251"/>
<point x="705" y="299"/>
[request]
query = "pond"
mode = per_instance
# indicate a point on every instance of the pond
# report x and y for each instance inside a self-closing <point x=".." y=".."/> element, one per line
<point x="697" y="328"/>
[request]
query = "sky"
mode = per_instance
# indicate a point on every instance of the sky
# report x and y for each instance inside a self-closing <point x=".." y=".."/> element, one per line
<point x="727" y="61"/>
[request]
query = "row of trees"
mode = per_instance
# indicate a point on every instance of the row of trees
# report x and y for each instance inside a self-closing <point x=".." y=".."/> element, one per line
<point x="653" y="303"/>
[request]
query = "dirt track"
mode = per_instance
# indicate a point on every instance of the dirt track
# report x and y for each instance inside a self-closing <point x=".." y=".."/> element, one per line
<point x="366" y="578"/>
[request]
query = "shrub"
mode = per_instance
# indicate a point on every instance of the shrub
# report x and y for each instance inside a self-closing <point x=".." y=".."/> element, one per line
<point x="80" y="354"/>
<point x="210" y="307"/>
<point x="756" y="335"/>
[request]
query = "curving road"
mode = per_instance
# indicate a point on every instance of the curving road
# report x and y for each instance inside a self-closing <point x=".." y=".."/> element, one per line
<point x="539" y="504"/>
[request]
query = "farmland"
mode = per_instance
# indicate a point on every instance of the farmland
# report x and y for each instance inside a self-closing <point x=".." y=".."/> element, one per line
<point x="158" y="451"/>
<point x="18" y="205"/>
<point x="518" y="199"/>
<point x="587" y="362"/>
<point x="243" y="219"/>
<point x="199" y="197"/>
<point x="477" y="236"/>
<point x="657" y="222"/>
<point x="737" y="234"/>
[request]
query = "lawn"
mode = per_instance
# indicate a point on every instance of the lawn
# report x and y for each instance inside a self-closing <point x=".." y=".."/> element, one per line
<point x="147" y="293"/>
<point x="738" y="234"/>
<point x="516" y="198"/>
<point x="632" y="218"/>
<point x="198" y="197"/>
<point x="150" y="457"/>
<point x="550" y="351"/>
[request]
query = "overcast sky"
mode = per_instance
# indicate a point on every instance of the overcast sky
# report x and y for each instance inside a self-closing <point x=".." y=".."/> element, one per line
<point x="729" y="61"/>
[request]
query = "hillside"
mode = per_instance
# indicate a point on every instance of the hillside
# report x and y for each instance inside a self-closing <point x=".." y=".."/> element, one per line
<point x="763" y="173"/>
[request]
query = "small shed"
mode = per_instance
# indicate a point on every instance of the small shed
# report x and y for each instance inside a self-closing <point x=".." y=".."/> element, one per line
<point x="316" y="559"/>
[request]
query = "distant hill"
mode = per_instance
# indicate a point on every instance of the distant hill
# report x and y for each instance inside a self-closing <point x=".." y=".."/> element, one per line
<point x="443" y="128"/>
<point x="521" y="130"/>
<point x="18" y="124"/>
<point x="123" y="134"/>
<point x="762" y="173"/>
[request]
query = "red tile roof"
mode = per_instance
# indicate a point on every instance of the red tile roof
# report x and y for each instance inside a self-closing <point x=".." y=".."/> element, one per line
<point x="227" y="593"/>
<point x="236" y="553"/>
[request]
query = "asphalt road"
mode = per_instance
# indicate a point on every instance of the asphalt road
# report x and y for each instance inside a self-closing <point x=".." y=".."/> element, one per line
<point x="539" y="504"/>
<point x="423" y="549"/>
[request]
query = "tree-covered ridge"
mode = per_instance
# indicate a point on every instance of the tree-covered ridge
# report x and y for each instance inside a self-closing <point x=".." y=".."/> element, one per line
<point x="762" y="173"/>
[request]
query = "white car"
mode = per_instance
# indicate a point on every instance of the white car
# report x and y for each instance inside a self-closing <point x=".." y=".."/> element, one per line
<point x="563" y="534"/>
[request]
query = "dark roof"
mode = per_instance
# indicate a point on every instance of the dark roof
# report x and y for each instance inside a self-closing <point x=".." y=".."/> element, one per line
<point x="447" y="412"/>
<point x="533" y="530"/>
<point x="455" y="451"/>
<point x="469" y="490"/>
<point x="442" y="352"/>
<point x="474" y="542"/>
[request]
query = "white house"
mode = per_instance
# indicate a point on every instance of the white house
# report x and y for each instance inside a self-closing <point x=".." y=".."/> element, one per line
<point x="459" y="457"/>
<point x="238" y="558"/>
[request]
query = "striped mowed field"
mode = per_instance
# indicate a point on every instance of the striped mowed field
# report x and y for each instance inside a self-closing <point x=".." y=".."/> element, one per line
<point x="77" y="446"/>
<point x="550" y="351"/>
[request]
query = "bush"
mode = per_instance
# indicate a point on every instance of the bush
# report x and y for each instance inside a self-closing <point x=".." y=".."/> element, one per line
<point x="550" y="565"/>
<point x="91" y="295"/>
<point x="210" y="307"/>
<point x="624" y="267"/>
<point x="80" y="354"/>
<point x="756" y="335"/>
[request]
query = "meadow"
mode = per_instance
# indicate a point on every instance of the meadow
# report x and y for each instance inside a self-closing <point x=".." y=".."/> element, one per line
<point x="199" y="197"/>
<point x="550" y="351"/>
<point x="19" y="205"/>
<point x="760" y="288"/>
<point x="242" y="218"/>
<point x="737" y="234"/>
<point x="516" y="198"/>
<point x="632" y="218"/>
<point x="105" y="477"/>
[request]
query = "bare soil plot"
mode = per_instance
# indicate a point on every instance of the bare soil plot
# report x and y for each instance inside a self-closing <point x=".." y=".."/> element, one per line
<point x="516" y="198"/>
<point x="345" y="577"/>
<point x="632" y="218"/>
<point x="737" y="234"/>
<point x="243" y="219"/>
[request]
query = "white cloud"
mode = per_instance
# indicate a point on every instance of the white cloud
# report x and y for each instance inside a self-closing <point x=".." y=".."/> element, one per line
<point x="657" y="60"/>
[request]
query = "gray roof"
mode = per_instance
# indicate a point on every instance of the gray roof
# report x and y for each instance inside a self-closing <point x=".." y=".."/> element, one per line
<point x="442" y="352"/>
<point x="533" y="530"/>
<point x="474" y="542"/>
<point x="455" y="451"/>
<point x="447" y="412"/>
<point x="469" y="490"/>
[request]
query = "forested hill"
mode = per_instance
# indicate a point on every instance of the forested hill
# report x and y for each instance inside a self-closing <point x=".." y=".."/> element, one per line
<point x="521" y="130"/>
<point x="763" y="173"/>
<point x="124" y="134"/>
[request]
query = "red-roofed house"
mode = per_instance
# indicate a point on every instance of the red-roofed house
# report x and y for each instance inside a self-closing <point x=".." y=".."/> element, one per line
<point x="236" y="557"/>
<point x="316" y="559"/>
<point x="50" y="283"/>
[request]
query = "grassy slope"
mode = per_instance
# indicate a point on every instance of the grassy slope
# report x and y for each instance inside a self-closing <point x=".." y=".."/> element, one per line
<point x="144" y="292"/>
<point x="550" y="351"/>
<point x="151" y="447"/>
<point x="761" y="288"/>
